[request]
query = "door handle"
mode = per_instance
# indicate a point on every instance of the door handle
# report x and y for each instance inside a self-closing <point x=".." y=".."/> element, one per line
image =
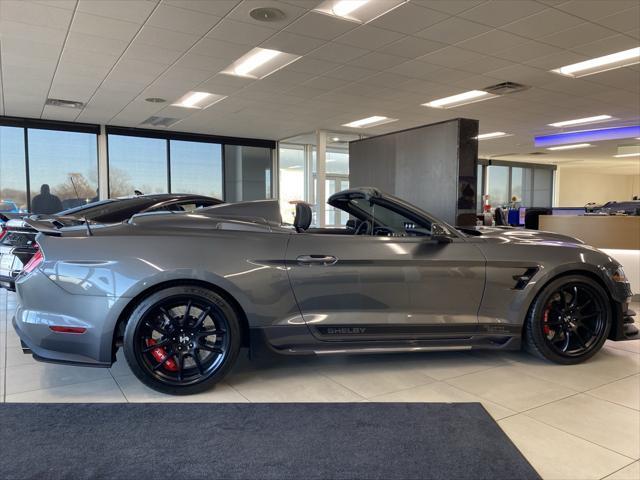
<point x="317" y="259"/>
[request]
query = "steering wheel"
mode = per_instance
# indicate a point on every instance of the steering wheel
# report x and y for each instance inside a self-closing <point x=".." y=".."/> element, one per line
<point x="364" y="228"/>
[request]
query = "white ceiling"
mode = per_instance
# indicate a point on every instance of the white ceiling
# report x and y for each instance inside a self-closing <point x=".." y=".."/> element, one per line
<point x="112" y="54"/>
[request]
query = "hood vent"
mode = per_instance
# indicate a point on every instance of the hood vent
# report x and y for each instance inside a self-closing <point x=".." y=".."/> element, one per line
<point x="506" y="88"/>
<point x="161" y="121"/>
<point x="57" y="102"/>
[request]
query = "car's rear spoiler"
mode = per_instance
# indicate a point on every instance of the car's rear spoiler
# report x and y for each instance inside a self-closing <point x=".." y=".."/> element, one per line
<point x="45" y="227"/>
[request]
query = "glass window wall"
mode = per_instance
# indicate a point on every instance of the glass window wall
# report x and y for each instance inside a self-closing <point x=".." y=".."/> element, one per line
<point x="63" y="169"/>
<point x="196" y="167"/>
<point x="137" y="163"/>
<point x="13" y="173"/>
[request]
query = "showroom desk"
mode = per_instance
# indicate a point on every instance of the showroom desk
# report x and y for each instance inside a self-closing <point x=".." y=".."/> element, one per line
<point x="618" y="236"/>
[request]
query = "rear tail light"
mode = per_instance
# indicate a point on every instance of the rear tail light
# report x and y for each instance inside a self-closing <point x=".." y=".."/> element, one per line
<point x="59" y="329"/>
<point x="34" y="263"/>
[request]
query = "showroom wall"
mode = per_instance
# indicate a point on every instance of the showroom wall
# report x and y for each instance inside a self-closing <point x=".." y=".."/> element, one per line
<point x="576" y="188"/>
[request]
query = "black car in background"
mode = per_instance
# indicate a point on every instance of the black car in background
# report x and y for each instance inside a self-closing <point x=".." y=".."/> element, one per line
<point x="17" y="239"/>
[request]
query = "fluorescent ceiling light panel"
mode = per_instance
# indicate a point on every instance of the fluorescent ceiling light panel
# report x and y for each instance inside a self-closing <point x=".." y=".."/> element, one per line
<point x="370" y="122"/>
<point x="489" y="136"/>
<point x="601" y="64"/>
<point x="460" y="99"/>
<point x="361" y="11"/>
<point x="583" y="136"/>
<point x="260" y="62"/>
<point x="570" y="147"/>
<point x="198" y="100"/>
<point x="582" y="121"/>
<point x="624" y="155"/>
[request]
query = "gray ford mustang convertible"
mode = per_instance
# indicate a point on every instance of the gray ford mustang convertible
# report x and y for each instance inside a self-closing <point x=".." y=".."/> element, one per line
<point x="183" y="292"/>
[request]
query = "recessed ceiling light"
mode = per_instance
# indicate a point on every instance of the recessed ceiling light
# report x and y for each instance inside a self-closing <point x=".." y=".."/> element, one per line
<point x="570" y="147"/>
<point x="260" y="62"/>
<point x="488" y="136"/>
<point x="58" y="102"/>
<point x="267" y="14"/>
<point x="582" y="121"/>
<point x="361" y="11"/>
<point x="198" y="100"/>
<point x="370" y="122"/>
<point x="460" y="99"/>
<point x="335" y="139"/>
<point x="601" y="64"/>
<point x="623" y="155"/>
<point x="155" y="100"/>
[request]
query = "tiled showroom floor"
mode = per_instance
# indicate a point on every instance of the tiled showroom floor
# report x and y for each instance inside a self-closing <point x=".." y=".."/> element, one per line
<point x="576" y="422"/>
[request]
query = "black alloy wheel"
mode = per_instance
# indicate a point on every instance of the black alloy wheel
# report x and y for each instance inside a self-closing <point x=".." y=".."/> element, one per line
<point x="574" y="319"/>
<point x="569" y="321"/>
<point x="182" y="340"/>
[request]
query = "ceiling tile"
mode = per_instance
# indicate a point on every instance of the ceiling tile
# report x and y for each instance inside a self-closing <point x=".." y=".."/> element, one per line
<point x="449" y="6"/>
<point x="409" y="18"/>
<point x="241" y="33"/>
<point x="317" y="25"/>
<point x="605" y="46"/>
<point x="415" y="69"/>
<point x="411" y="47"/>
<point x="579" y="35"/>
<point x="542" y="23"/>
<point x="338" y="53"/>
<point x="326" y="83"/>
<point x="351" y="73"/>
<point x="292" y="43"/>
<point x="93" y="43"/>
<point x="151" y="53"/>
<point x="312" y="65"/>
<point x="485" y="64"/>
<point x="41" y="15"/>
<point x="368" y="37"/>
<point x="491" y="42"/>
<point x="181" y="20"/>
<point x="59" y="113"/>
<point x="623" y="21"/>
<point x="166" y="38"/>
<point x="497" y="13"/>
<point x="450" y="57"/>
<point x="378" y="61"/>
<point x="30" y="49"/>
<point x="556" y="60"/>
<point x="104" y="27"/>
<point x="215" y="48"/>
<point x="17" y="30"/>
<point x="202" y="62"/>
<point x="218" y="8"/>
<point x="133" y="11"/>
<point x="527" y="51"/>
<point x="453" y="30"/>
<point x="596" y="9"/>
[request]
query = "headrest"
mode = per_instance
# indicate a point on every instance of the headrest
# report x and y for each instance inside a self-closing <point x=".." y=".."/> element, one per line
<point x="303" y="217"/>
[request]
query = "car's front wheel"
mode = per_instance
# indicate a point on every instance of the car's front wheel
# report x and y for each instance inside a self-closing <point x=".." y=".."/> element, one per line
<point x="569" y="320"/>
<point x="182" y="340"/>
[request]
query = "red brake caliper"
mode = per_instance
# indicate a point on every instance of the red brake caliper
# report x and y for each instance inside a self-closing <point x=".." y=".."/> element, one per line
<point x="545" y="318"/>
<point x="160" y="354"/>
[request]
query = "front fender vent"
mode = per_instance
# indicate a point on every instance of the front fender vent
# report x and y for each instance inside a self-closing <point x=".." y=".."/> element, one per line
<point x="524" y="279"/>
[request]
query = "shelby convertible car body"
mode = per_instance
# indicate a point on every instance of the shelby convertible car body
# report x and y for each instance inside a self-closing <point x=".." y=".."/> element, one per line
<point x="183" y="292"/>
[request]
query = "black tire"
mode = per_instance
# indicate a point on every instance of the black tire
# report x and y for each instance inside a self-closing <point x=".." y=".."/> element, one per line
<point x="182" y="340"/>
<point x="558" y="328"/>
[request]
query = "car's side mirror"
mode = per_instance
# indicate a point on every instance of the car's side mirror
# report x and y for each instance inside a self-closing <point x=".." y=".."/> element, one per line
<point x="440" y="234"/>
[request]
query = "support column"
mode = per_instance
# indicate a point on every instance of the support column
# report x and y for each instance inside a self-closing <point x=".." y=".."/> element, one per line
<point x="321" y="175"/>
<point x="103" y="165"/>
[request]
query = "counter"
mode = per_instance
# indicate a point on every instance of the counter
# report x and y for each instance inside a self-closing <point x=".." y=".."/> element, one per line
<point x="618" y="236"/>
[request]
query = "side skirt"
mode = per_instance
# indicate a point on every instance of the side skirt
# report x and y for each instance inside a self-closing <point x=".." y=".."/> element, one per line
<point x="297" y="340"/>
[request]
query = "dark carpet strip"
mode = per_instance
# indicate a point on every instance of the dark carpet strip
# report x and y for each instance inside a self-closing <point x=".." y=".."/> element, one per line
<point x="256" y="441"/>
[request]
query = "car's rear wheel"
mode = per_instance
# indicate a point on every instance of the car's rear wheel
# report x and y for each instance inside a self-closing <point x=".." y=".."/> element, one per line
<point x="182" y="339"/>
<point x="569" y="321"/>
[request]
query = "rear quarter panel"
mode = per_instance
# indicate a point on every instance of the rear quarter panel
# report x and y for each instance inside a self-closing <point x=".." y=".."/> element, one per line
<point x="247" y="265"/>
